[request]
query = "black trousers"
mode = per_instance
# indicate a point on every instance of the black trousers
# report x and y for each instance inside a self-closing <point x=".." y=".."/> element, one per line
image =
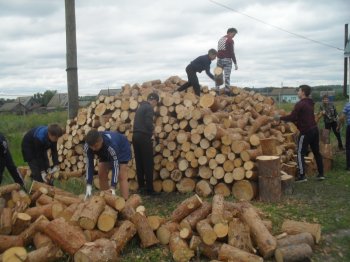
<point x="35" y="168"/>
<point x="143" y="151"/>
<point x="192" y="81"/>
<point x="347" y="146"/>
<point x="311" y="138"/>
<point x="7" y="161"/>
<point x="334" y="126"/>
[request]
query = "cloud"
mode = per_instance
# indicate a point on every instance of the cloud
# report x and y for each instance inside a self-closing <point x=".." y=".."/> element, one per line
<point x="136" y="41"/>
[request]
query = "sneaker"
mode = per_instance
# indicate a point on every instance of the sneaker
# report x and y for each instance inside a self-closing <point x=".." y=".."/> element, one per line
<point x="301" y="179"/>
<point x="321" y="177"/>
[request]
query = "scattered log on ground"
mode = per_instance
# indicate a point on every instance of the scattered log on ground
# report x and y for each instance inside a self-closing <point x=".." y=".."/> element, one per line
<point x="230" y="253"/>
<point x="99" y="250"/>
<point x="296" y="227"/>
<point x="145" y="232"/>
<point x="291" y="253"/>
<point x="91" y="212"/>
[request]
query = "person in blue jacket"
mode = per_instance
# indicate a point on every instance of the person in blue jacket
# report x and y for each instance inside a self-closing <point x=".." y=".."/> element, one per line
<point x="113" y="151"/>
<point x="35" y="144"/>
<point x="7" y="161"/>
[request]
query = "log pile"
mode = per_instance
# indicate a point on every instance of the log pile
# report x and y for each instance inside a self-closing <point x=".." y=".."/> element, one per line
<point x="206" y="144"/>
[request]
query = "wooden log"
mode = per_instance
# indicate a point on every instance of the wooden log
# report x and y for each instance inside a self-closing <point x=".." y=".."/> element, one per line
<point x="221" y="230"/>
<point x="107" y="219"/>
<point x="5" y="189"/>
<point x="123" y="235"/>
<point x="296" y="227"/>
<point x="28" y="234"/>
<point x="164" y="232"/>
<point x="217" y="215"/>
<point x="223" y="189"/>
<point x="47" y="253"/>
<point x="291" y="253"/>
<point x="36" y="212"/>
<point x="67" y="200"/>
<point x="203" y="188"/>
<point x="145" y="232"/>
<point x="287" y="182"/>
<point x="74" y="220"/>
<point x="185" y="208"/>
<point x="7" y="242"/>
<point x="262" y="237"/>
<point x="6" y="221"/>
<point x="186" y="185"/>
<point x="20" y="222"/>
<point x="68" y="212"/>
<point x="67" y="237"/>
<point x="99" y="250"/>
<point x="268" y="146"/>
<point x="300" y="238"/>
<point x="41" y="240"/>
<point x="155" y="222"/>
<point x="15" y="254"/>
<point x="244" y="190"/>
<point x="206" y="232"/>
<point x="92" y="235"/>
<point x="199" y="214"/>
<point x="270" y="189"/>
<point x="92" y="210"/>
<point x="179" y="248"/>
<point x="230" y="253"/>
<point x="239" y="236"/>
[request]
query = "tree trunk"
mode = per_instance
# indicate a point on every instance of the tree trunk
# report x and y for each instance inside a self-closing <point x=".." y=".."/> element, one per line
<point x="270" y="189"/>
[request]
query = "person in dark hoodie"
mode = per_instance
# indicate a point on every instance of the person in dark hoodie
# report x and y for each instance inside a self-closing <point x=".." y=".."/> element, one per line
<point x="303" y="116"/>
<point x="143" y="144"/>
<point x="197" y="66"/>
<point x="35" y="144"/>
<point x="7" y="161"/>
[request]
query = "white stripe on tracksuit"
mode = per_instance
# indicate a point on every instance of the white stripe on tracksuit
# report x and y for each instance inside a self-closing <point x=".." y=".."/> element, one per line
<point x="300" y="148"/>
<point x="115" y="164"/>
<point x="86" y="148"/>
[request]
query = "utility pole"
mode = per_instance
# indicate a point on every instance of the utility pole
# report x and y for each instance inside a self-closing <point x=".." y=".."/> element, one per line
<point x="345" y="87"/>
<point x="71" y="56"/>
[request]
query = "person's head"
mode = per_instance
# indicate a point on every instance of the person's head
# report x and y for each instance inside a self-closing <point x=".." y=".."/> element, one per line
<point x="212" y="54"/>
<point x="325" y="99"/>
<point x="231" y="32"/>
<point x="304" y="91"/>
<point x="94" y="140"/>
<point x="153" y="99"/>
<point x="54" y="132"/>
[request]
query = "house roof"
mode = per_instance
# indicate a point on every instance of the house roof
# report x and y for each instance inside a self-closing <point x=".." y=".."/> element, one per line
<point x="10" y="106"/>
<point x="59" y="100"/>
<point x="284" y="91"/>
<point x="109" y="92"/>
<point x="24" y="100"/>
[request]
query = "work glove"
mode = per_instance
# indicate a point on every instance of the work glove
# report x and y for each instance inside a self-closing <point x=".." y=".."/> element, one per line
<point x="88" y="191"/>
<point x="112" y="190"/>
<point x="277" y="117"/>
<point x="53" y="170"/>
<point x="236" y="67"/>
<point x="44" y="176"/>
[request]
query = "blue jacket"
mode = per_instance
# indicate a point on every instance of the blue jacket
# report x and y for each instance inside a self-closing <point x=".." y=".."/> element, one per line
<point x="115" y="149"/>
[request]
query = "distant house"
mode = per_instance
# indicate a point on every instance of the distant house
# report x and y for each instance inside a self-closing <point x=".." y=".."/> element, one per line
<point x="285" y="94"/>
<point x="59" y="100"/>
<point x="28" y="102"/>
<point x="14" y="107"/>
<point x="109" y="92"/>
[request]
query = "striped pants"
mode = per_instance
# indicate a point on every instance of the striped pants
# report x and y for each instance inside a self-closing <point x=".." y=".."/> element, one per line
<point x="311" y="138"/>
<point x="226" y="64"/>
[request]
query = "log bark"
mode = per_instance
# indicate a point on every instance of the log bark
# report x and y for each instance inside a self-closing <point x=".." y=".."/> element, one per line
<point x="179" y="248"/>
<point x="92" y="210"/>
<point x="199" y="214"/>
<point x="164" y="232"/>
<point x="239" y="236"/>
<point x="230" y="253"/>
<point x="6" y="221"/>
<point x="291" y="253"/>
<point x="45" y="254"/>
<point x="116" y="202"/>
<point x="185" y="208"/>
<point x="92" y="235"/>
<point x="100" y="250"/>
<point x="107" y="220"/>
<point x="217" y="215"/>
<point x="206" y="232"/>
<point x="20" y="221"/>
<point x="123" y="235"/>
<point x="305" y="237"/>
<point x="295" y="227"/>
<point x="145" y="232"/>
<point x="7" y="242"/>
<point x="41" y="240"/>
<point x="9" y="188"/>
<point x="67" y="237"/>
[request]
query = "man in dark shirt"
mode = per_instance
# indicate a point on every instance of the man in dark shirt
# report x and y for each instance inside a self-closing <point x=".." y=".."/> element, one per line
<point x="226" y="55"/>
<point x="197" y="66"/>
<point x="303" y="116"/>
<point x="7" y="161"/>
<point x="143" y="144"/>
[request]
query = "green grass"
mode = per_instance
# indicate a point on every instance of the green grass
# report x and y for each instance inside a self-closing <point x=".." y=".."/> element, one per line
<point x="324" y="202"/>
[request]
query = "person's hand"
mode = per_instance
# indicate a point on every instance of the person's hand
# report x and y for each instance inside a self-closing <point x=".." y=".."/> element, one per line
<point x="236" y="67"/>
<point x="88" y="191"/>
<point x="53" y="170"/>
<point x="44" y="176"/>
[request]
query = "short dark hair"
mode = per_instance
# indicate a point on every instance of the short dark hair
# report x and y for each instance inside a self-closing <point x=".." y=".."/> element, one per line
<point x="232" y="30"/>
<point x="212" y="51"/>
<point x="153" y="96"/>
<point x="306" y="89"/>
<point x="92" y="137"/>
<point x="325" y="96"/>
<point x="55" y="130"/>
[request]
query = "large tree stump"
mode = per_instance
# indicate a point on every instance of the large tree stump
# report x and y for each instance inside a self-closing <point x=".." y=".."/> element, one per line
<point x="100" y="250"/>
<point x="262" y="237"/>
<point x="185" y="208"/>
<point x="92" y="210"/>
<point x="269" y="169"/>
<point x="291" y="253"/>
<point x="145" y="232"/>
<point x="230" y="253"/>
<point x="124" y="233"/>
<point x="63" y="234"/>
<point x="295" y="227"/>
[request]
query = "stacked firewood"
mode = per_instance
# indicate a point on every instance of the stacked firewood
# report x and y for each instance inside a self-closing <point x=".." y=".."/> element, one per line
<point x="204" y="144"/>
<point x="58" y="223"/>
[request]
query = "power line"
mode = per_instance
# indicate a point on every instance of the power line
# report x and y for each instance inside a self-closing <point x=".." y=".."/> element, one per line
<point x="277" y="27"/>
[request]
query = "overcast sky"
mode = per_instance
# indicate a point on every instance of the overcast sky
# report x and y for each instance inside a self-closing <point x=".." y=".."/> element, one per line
<point x="139" y="40"/>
